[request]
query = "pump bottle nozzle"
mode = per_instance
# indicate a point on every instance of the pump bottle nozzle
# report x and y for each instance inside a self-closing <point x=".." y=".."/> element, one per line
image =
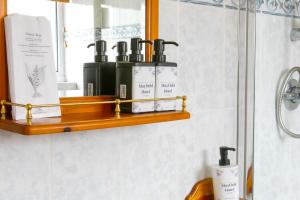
<point x="171" y="42"/>
<point x="100" y="50"/>
<point x="122" y="50"/>
<point x="136" y="48"/>
<point x="90" y="45"/>
<point x="146" y="41"/>
<point x="224" y="161"/>
<point x="159" y="48"/>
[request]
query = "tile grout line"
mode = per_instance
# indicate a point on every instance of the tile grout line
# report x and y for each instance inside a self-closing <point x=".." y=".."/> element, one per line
<point x="50" y="168"/>
<point x="176" y="150"/>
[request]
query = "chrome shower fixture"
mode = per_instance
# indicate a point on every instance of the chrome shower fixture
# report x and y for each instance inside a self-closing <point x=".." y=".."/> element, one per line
<point x="295" y="34"/>
<point x="289" y="94"/>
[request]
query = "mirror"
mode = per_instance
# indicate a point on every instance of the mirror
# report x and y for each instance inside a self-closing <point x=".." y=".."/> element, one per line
<point x="78" y="23"/>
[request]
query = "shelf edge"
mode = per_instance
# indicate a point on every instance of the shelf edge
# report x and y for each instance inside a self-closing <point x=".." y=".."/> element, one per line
<point x="94" y="124"/>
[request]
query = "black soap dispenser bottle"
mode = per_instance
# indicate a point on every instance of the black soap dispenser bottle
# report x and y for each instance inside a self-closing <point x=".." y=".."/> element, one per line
<point x="136" y="80"/>
<point x="99" y="77"/>
<point x="166" y="77"/>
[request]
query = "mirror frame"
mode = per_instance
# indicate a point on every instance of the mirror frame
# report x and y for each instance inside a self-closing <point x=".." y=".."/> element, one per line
<point x="152" y="24"/>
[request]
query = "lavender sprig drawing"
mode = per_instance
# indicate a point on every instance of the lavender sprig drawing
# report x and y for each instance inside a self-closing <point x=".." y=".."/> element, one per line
<point x="36" y="76"/>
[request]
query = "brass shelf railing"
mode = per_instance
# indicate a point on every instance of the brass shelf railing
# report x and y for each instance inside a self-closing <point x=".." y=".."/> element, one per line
<point x="28" y="107"/>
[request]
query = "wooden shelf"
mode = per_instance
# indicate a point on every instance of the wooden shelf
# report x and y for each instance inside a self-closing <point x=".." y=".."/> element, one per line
<point x="87" y="121"/>
<point x="86" y="117"/>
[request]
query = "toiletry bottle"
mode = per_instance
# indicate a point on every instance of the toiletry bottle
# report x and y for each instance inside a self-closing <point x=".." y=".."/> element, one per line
<point x="99" y="77"/>
<point x="225" y="177"/>
<point x="166" y="77"/>
<point x="121" y="57"/>
<point x="136" y="80"/>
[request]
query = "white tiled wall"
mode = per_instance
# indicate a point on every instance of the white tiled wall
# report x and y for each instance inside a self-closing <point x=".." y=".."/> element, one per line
<point x="276" y="156"/>
<point x="158" y="161"/>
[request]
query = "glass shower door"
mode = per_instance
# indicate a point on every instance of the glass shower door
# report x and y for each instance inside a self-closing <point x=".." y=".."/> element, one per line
<point x="276" y="160"/>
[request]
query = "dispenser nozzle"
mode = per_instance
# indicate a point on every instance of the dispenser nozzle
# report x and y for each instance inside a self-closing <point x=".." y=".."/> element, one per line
<point x="171" y="42"/>
<point x="136" y="48"/>
<point x="159" y="48"/>
<point x="99" y="50"/>
<point x="122" y="50"/>
<point x="146" y="41"/>
<point x="90" y="45"/>
<point x="224" y="161"/>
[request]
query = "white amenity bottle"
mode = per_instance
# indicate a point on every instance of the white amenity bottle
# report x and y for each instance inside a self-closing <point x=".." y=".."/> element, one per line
<point x="225" y="177"/>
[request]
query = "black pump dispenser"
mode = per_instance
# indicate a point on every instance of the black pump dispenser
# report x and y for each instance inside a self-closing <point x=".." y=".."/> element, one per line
<point x="122" y="51"/>
<point x="135" y="79"/>
<point x="136" y="48"/>
<point x="224" y="161"/>
<point x="99" y="77"/>
<point x="100" y="50"/>
<point x="159" y="48"/>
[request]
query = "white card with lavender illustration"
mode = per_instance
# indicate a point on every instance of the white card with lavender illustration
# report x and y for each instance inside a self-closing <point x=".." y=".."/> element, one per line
<point x="143" y="87"/>
<point x="31" y="67"/>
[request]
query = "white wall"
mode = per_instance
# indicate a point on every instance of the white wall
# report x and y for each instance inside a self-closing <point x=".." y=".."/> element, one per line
<point x="276" y="156"/>
<point x="158" y="161"/>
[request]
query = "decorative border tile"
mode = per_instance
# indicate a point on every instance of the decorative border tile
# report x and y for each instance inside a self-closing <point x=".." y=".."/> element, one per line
<point x="286" y="8"/>
<point x="217" y="3"/>
<point x="116" y="32"/>
<point x="122" y="32"/>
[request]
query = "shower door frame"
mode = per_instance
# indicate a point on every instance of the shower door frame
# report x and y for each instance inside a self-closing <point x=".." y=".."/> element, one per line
<point x="246" y="96"/>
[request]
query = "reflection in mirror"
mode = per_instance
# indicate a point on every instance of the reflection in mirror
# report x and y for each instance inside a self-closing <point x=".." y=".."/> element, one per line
<point x="79" y="23"/>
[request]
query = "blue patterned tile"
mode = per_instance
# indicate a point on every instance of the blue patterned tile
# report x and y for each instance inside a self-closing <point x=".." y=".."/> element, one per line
<point x="217" y="3"/>
<point x="286" y="8"/>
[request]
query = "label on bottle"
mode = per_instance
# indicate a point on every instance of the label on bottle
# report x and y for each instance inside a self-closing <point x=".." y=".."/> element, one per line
<point x="90" y="89"/>
<point x="123" y="91"/>
<point x="166" y="80"/>
<point x="143" y="87"/>
<point x="226" y="183"/>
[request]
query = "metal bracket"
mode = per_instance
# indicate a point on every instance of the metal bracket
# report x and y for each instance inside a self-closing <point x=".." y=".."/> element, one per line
<point x="295" y="34"/>
<point x="291" y="96"/>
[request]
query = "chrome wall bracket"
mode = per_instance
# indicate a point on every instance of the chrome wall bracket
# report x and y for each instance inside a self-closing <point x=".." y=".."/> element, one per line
<point x="291" y="96"/>
<point x="295" y="34"/>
